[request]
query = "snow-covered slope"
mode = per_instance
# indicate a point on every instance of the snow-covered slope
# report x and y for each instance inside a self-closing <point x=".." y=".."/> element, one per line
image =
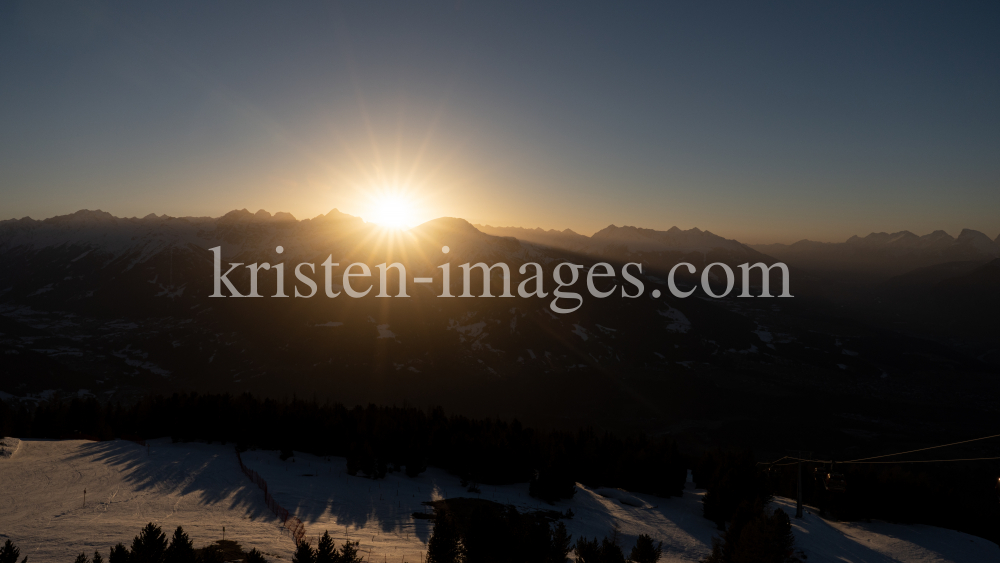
<point x="201" y="487"/>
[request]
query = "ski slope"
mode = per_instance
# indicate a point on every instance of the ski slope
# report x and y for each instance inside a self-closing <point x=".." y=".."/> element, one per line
<point x="201" y="487"/>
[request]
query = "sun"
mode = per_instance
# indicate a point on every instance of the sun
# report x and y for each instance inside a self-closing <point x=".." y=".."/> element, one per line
<point x="392" y="211"/>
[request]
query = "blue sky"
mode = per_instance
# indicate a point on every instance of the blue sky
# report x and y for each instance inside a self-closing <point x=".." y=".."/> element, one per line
<point x="765" y="123"/>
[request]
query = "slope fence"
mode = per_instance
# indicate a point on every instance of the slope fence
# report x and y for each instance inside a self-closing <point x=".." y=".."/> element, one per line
<point x="292" y="523"/>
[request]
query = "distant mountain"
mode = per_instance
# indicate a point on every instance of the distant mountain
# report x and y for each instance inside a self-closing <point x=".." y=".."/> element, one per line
<point x="613" y="239"/>
<point x="886" y="254"/>
<point x="89" y="293"/>
<point x="95" y="304"/>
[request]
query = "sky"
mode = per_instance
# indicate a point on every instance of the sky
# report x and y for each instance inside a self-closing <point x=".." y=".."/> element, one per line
<point x="757" y="121"/>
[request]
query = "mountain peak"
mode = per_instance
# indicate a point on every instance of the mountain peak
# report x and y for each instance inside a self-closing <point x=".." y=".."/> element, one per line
<point x="84" y="216"/>
<point x="237" y="215"/>
<point x="452" y="224"/>
<point x="978" y="241"/>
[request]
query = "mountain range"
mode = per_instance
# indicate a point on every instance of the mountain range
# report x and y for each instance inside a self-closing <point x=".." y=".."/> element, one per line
<point x="115" y="307"/>
<point x="886" y="254"/>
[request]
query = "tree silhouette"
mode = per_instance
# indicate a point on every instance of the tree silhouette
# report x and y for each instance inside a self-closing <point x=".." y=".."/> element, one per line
<point x="181" y="549"/>
<point x="645" y="551"/>
<point x="150" y="546"/>
<point x="560" y="544"/>
<point x="9" y="553"/>
<point x="326" y="551"/>
<point x="349" y="553"/>
<point x="119" y="554"/>
<point x="304" y="553"/>
<point x="445" y="544"/>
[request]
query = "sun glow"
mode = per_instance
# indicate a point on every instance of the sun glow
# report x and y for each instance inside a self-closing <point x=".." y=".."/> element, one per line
<point x="392" y="211"/>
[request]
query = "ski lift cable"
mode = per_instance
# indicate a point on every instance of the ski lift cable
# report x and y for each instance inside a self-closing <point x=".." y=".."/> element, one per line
<point x="925" y="460"/>
<point x="867" y="459"/>
<point x="827" y="461"/>
<point x="924" y="449"/>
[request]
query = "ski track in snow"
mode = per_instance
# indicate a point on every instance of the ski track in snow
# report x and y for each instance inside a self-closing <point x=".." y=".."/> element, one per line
<point x="199" y="486"/>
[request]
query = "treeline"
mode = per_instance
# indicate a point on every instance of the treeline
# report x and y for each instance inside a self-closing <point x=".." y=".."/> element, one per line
<point x="481" y="531"/>
<point x="375" y="440"/>
<point x="962" y="496"/>
<point x="326" y="551"/>
<point x="151" y="546"/>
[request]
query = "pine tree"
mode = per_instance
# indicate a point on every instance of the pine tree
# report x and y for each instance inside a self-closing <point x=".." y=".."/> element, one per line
<point x="445" y="544"/>
<point x="255" y="556"/>
<point x="119" y="554"/>
<point x="181" y="549"/>
<point x="326" y="551"/>
<point x="766" y="539"/>
<point x="611" y="551"/>
<point x="559" y="545"/>
<point x="645" y="551"/>
<point x="149" y="546"/>
<point x="304" y="553"/>
<point x="587" y="551"/>
<point x="9" y="552"/>
<point x="349" y="553"/>
<point x="717" y="555"/>
<point x="97" y="557"/>
<point x="82" y="558"/>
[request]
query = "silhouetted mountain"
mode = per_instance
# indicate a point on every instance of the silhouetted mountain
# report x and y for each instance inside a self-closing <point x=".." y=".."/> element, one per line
<point x="923" y="279"/>
<point x="885" y="254"/>
<point x="114" y="306"/>
<point x="612" y="239"/>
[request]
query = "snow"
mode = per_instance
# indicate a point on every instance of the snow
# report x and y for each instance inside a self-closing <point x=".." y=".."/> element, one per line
<point x="680" y="321"/>
<point x="200" y="487"/>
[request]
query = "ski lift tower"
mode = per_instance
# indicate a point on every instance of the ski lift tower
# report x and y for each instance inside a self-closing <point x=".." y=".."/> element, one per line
<point x="799" y="455"/>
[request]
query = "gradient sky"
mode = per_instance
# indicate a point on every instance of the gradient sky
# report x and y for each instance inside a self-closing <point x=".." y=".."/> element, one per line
<point x="763" y="123"/>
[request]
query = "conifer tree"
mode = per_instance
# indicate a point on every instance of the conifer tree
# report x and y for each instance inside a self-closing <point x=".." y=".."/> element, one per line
<point x="97" y="557"/>
<point x="181" y="549"/>
<point x="255" y="556"/>
<point x="9" y="552"/>
<point x="445" y="544"/>
<point x="82" y="558"/>
<point x="587" y="551"/>
<point x="119" y="554"/>
<point x="149" y="546"/>
<point x="304" y="553"/>
<point x="611" y="551"/>
<point x="766" y="539"/>
<point x="645" y="551"/>
<point x="349" y="553"/>
<point x="559" y="546"/>
<point x="326" y="551"/>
